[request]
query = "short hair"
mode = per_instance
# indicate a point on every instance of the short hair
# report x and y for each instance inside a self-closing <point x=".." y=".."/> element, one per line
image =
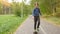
<point x="36" y="3"/>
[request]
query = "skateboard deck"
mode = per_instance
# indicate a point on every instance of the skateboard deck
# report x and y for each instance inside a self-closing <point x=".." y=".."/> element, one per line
<point x="35" y="32"/>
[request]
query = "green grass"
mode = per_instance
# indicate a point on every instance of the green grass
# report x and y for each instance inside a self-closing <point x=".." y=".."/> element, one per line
<point x="9" y="23"/>
<point x="55" y="20"/>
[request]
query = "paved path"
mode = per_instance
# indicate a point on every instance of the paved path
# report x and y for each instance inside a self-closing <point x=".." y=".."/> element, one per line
<point x="45" y="28"/>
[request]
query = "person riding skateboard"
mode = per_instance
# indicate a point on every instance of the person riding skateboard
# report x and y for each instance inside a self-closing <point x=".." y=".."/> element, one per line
<point x="36" y="13"/>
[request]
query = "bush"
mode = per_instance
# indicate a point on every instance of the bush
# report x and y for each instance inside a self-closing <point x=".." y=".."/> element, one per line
<point x="57" y="14"/>
<point x="18" y="13"/>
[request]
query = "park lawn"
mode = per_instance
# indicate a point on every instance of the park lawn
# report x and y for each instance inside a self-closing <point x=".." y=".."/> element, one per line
<point x="54" y="20"/>
<point x="9" y="23"/>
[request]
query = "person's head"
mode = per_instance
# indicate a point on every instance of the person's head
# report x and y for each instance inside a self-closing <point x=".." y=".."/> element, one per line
<point x="36" y="4"/>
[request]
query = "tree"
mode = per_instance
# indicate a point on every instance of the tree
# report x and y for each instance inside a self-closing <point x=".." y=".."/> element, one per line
<point x="47" y="7"/>
<point x="16" y="8"/>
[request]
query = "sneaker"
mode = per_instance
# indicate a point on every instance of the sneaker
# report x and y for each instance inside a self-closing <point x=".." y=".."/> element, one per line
<point x="37" y="29"/>
<point x="35" y="32"/>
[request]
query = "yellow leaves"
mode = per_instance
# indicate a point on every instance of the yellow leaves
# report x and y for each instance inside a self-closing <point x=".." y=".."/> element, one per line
<point x="5" y="3"/>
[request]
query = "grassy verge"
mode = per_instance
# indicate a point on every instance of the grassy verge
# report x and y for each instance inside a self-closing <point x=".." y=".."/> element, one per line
<point x="54" y="20"/>
<point x="9" y="23"/>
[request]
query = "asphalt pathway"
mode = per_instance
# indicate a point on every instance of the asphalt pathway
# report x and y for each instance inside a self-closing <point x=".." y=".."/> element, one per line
<point x="45" y="27"/>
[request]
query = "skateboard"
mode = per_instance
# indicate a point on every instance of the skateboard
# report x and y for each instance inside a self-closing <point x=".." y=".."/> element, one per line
<point x="35" y="32"/>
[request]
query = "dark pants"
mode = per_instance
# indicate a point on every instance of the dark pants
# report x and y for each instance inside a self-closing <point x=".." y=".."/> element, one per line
<point x="36" y="22"/>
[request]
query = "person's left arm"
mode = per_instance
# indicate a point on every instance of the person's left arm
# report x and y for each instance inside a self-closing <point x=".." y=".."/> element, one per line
<point x="39" y="11"/>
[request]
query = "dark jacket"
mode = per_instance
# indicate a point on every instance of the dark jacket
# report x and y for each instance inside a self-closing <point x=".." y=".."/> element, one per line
<point x="36" y="12"/>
